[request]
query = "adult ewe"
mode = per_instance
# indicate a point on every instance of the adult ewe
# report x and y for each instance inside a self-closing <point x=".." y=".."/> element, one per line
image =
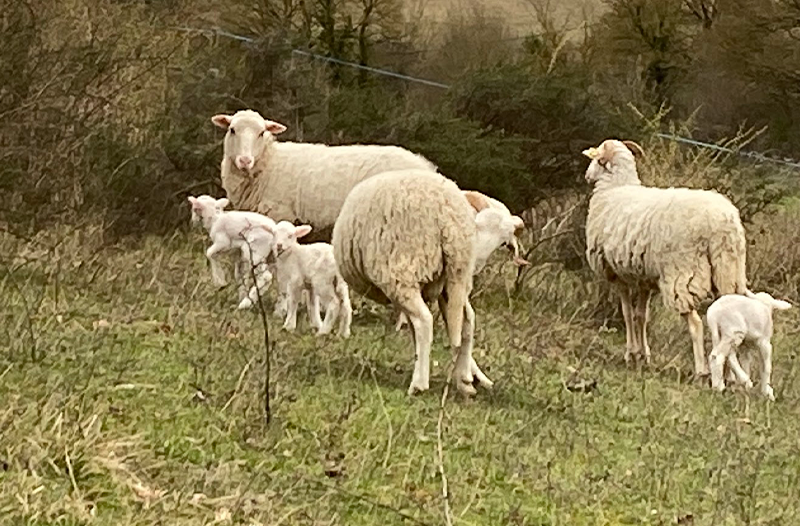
<point x="298" y="182"/>
<point x="407" y="237"/>
<point x="689" y="244"/>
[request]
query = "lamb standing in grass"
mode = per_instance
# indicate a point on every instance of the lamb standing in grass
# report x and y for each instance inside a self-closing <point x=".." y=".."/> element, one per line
<point x="689" y="244"/>
<point x="298" y="182"/>
<point x="734" y="320"/>
<point x="406" y="237"/>
<point x="233" y="231"/>
<point x="310" y="267"/>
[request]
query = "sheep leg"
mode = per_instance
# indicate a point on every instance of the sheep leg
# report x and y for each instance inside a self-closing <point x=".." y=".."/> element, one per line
<point x="468" y="336"/>
<point x="346" y="316"/>
<point x="717" y="360"/>
<point x="312" y="308"/>
<point x="766" y="369"/>
<point x="263" y="279"/>
<point x="736" y="367"/>
<point x="241" y="267"/>
<point x="695" y="324"/>
<point x="217" y="272"/>
<point x="627" y="314"/>
<point x="422" y="325"/>
<point x="331" y="314"/>
<point x="641" y="316"/>
<point x="292" y="299"/>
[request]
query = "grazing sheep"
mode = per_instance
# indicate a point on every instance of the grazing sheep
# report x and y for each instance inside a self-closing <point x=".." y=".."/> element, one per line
<point x="689" y="244"/>
<point x="735" y="320"/>
<point x="405" y="237"/>
<point x="494" y="228"/>
<point x="310" y="267"/>
<point x="233" y="231"/>
<point x="298" y="182"/>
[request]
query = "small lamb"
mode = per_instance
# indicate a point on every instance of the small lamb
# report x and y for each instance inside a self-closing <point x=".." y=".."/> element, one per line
<point x="234" y="230"/>
<point x="733" y="320"/>
<point x="310" y="267"/>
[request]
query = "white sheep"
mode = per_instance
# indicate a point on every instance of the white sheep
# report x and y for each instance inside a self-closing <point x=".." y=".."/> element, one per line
<point x="495" y="227"/>
<point x="735" y="320"/>
<point x="232" y="231"/>
<point x="312" y="268"/>
<point x="689" y="244"/>
<point x="298" y="182"/>
<point x="405" y="237"/>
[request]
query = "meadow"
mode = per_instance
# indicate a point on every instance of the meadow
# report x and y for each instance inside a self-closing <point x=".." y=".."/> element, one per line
<point x="132" y="392"/>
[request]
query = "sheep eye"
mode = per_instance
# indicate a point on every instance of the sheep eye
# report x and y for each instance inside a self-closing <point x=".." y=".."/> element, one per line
<point x="233" y="132"/>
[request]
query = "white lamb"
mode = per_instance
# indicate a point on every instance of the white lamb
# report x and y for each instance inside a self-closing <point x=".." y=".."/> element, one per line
<point x="298" y="182"/>
<point x="233" y="231"/>
<point x="405" y="237"/>
<point x="735" y="320"/>
<point x="689" y="244"/>
<point x="310" y="267"/>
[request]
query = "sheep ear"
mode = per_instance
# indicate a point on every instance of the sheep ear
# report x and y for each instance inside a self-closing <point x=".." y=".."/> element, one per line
<point x="592" y="153"/>
<point x="781" y="305"/>
<point x="302" y="230"/>
<point x="477" y="200"/>
<point x="222" y="120"/>
<point x="635" y="149"/>
<point x="519" y="224"/>
<point x="222" y="203"/>
<point x="275" y="128"/>
<point x="268" y="228"/>
<point x="192" y="199"/>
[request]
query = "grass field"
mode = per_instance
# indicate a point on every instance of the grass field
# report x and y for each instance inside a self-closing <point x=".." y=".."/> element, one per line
<point x="131" y="392"/>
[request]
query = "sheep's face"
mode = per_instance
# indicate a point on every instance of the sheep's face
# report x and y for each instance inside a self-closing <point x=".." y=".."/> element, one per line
<point x="205" y="207"/>
<point x="247" y="135"/>
<point x="286" y="235"/>
<point x="612" y="160"/>
<point x="496" y="226"/>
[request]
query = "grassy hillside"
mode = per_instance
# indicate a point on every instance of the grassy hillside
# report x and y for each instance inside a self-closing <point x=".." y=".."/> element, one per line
<point x="131" y="393"/>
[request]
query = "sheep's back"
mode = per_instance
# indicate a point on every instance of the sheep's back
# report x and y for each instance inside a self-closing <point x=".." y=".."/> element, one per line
<point x="399" y="230"/>
<point x="659" y="236"/>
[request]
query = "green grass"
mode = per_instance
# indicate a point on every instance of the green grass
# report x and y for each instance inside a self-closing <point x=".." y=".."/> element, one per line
<point x="103" y="423"/>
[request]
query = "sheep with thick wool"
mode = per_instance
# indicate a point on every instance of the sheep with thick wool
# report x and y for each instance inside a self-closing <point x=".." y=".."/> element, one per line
<point x="298" y="182"/>
<point x="405" y="237"/>
<point x="496" y="227"/>
<point x="736" y="320"/>
<point x="688" y="244"/>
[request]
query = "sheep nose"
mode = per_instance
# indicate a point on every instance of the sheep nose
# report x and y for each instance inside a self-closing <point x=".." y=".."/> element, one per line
<point x="244" y="162"/>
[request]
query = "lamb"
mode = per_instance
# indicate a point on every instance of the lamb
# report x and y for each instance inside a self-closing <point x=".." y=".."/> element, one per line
<point x="233" y="231"/>
<point x="689" y="244"/>
<point x="495" y="227"/>
<point x="298" y="182"/>
<point x="734" y="320"/>
<point x="310" y="267"/>
<point x="408" y="236"/>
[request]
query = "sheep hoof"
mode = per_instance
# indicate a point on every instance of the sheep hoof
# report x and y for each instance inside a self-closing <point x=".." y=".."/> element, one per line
<point x="466" y="388"/>
<point x="417" y="386"/>
<point x="748" y="385"/>
<point x="769" y="393"/>
<point x="245" y="304"/>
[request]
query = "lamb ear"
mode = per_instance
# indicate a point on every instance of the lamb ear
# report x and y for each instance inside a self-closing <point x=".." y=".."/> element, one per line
<point x="302" y="230"/>
<point x="192" y="199"/>
<point x="222" y="120"/>
<point x="222" y="203"/>
<point x="477" y="200"/>
<point x="275" y="128"/>
<point x="635" y="149"/>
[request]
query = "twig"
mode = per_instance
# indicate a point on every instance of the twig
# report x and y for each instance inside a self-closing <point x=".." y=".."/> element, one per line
<point x="448" y="519"/>
<point x="238" y="384"/>
<point x="388" y="420"/>
<point x="263" y="314"/>
<point x="71" y="474"/>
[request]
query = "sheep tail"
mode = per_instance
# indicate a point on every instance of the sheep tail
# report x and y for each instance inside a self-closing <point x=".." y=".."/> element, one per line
<point x="727" y="254"/>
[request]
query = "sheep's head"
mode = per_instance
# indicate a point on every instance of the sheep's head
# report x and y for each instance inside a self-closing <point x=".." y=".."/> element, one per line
<point x="248" y="134"/>
<point x="496" y="227"/>
<point x="286" y="235"/>
<point x="613" y="162"/>
<point x="205" y="207"/>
